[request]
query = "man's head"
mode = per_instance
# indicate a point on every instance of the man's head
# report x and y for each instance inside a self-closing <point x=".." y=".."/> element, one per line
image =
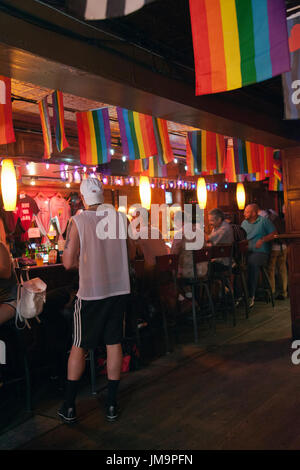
<point x="251" y="212"/>
<point x="92" y="192"/>
<point x="216" y="217"/>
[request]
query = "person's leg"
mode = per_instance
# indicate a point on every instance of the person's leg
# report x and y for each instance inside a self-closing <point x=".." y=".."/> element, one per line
<point x="255" y="261"/>
<point x="76" y="365"/>
<point x="114" y="365"/>
<point x="282" y="273"/>
<point x="7" y="312"/>
<point x="271" y="268"/>
<point x="253" y="272"/>
<point x="113" y="335"/>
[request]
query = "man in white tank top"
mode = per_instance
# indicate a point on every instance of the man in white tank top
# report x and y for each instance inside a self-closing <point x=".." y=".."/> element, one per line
<point x="104" y="284"/>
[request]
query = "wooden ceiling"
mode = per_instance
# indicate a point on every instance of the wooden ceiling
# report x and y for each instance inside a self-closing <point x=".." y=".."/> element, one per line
<point x="149" y="67"/>
<point x="26" y="113"/>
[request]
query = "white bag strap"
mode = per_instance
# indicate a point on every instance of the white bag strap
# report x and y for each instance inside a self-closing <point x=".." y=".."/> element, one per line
<point x="18" y="314"/>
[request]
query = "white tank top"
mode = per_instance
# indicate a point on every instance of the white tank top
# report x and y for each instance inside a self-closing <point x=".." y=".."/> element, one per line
<point x="103" y="264"/>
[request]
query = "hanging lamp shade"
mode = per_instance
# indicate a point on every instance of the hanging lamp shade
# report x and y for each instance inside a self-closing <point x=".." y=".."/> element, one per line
<point x="201" y="193"/>
<point x="145" y="192"/>
<point x="8" y="185"/>
<point x="240" y="196"/>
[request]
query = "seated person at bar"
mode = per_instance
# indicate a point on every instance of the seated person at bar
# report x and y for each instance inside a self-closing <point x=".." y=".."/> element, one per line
<point x="149" y="245"/>
<point x="222" y="233"/>
<point x="8" y="286"/>
<point x="260" y="231"/>
<point x="185" y="257"/>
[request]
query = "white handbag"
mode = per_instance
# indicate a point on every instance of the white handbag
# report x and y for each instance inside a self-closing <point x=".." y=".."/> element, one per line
<point x="30" y="300"/>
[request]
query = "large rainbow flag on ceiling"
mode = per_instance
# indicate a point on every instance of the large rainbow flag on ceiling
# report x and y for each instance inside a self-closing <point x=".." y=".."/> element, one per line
<point x="205" y="152"/>
<point x="238" y="42"/>
<point x="137" y="134"/>
<point x="94" y="136"/>
<point x="7" y="134"/>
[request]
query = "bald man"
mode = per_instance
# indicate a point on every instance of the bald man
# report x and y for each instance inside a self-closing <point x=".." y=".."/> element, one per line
<point x="260" y="231"/>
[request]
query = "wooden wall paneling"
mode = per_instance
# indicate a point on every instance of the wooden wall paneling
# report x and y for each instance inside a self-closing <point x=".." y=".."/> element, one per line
<point x="291" y="179"/>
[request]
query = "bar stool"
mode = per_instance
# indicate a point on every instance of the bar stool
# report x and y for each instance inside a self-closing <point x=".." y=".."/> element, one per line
<point x="221" y="252"/>
<point x="266" y="285"/>
<point x="240" y="271"/>
<point x="166" y="277"/>
<point x="198" y="283"/>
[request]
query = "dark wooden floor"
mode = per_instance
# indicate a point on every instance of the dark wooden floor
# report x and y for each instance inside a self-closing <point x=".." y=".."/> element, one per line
<point x="238" y="390"/>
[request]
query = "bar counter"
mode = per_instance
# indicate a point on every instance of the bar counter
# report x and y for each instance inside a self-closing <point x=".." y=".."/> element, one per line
<point x="54" y="275"/>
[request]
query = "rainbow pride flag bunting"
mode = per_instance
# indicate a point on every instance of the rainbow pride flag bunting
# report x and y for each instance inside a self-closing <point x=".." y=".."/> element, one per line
<point x="164" y="149"/>
<point x="141" y="166"/>
<point x="230" y="171"/>
<point x="7" y="134"/>
<point x="205" y="152"/>
<point x="46" y="127"/>
<point x="246" y="156"/>
<point x="265" y="162"/>
<point x="156" y="170"/>
<point x="137" y="134"/>
<point x="238" y="42"/>
<point x="275" y="184"/>
<point x="59" y="122"/>
<point x="94" y="136"/>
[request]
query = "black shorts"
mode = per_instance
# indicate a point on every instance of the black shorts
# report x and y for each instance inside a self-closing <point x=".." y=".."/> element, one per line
<point x="98" y="322"/>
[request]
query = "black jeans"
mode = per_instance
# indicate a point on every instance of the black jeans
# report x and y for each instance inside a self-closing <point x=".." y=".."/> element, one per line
<point x="255" y="261"/>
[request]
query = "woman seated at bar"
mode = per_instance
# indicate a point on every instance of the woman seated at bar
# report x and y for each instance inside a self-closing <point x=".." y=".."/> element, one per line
<point x="185" y="257"/>
<point x="8" y="286"/>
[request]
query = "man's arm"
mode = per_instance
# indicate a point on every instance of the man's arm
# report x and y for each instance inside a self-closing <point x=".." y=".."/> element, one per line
<point x="270" y="233"/>
<point x="72" y="247"/>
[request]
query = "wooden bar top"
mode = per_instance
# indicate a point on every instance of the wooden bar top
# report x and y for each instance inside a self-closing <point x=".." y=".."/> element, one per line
<point x="287" y="235"/>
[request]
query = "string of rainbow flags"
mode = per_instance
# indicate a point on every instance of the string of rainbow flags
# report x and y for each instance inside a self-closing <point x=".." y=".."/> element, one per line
<point x="145" y="141"/>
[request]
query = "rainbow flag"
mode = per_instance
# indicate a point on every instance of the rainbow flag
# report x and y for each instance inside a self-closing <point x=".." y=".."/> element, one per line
<point x="137" y="134"/>
<point x="246" y="156"/>
<point x="141" y="166"/>
<point x="205" y="152"/>
<point x="230" y="173"/>
<point x="275" y="184"/>
<point x="94" y="136"/>
<point x="45" y="121"/>
<point x="156" y="170"/>
<point x="221" y="153"/>
<point x="7" y="134"/>
<point x="265" y="162"/>
<point x="164" y="149"/>
<point x="238" y="42"/>
<point x="59" y="122"/>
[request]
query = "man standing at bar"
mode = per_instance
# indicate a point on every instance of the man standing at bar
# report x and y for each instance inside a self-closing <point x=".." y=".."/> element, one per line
<point x="260" y="231"/>
<point x="103" y="286"/>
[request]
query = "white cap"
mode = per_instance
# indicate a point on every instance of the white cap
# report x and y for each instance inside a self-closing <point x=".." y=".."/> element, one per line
<point x="92" y="192"/>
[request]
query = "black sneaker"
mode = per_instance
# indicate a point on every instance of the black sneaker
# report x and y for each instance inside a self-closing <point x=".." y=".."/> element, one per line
<point x="112" y="413"/>
<point x="68" y="415"/>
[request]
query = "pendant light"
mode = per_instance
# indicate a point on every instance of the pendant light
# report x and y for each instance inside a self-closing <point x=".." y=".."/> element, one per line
<point x="145" y="192"/>
<point x="240" y="196"/>
<point x="9" y="185"/>
<point x="201" y="193"/>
